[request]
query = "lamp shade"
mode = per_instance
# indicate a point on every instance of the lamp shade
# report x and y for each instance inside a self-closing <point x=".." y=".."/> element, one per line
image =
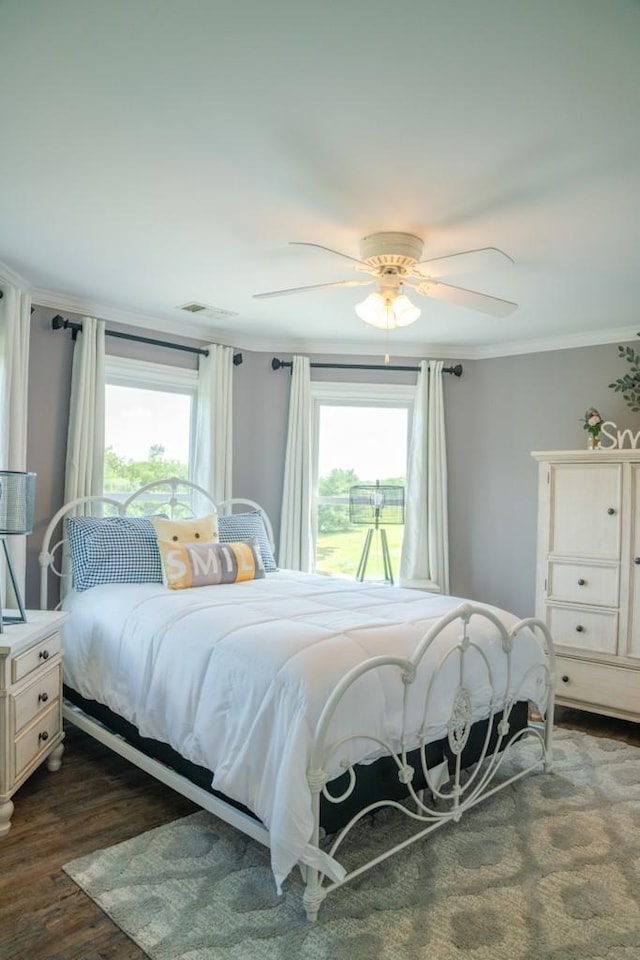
<point x="404" y="311"/>
<point x="373" y="310"/>
<point x="381" y="502"/>
<point x="17" y="498"/>
<point x="387" y="312"/>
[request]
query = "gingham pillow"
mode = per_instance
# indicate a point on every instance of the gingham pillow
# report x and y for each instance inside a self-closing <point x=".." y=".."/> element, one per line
<point x="246" y="526"/>
<point x="113" y="550"/>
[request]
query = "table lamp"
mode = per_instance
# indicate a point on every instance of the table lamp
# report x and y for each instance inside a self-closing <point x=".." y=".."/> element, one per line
<point x="17" y="498"/>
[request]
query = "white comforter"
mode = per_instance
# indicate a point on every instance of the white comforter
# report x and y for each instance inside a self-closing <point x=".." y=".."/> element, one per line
<point x="234" y="677"/>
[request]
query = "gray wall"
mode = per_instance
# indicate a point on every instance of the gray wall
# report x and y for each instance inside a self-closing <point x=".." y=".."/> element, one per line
<point x="496" y="414"/>
<point x="516" y="405"/>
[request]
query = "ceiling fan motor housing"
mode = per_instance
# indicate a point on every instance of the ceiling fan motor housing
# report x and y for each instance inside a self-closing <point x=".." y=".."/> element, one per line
<point x="391" y="249"/>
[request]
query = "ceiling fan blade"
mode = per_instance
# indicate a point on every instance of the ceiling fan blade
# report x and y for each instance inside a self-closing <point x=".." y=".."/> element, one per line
<point x="315" y="286"/>
<point x="483" y="258"/>
<point x="482" y="302"/>
<point x="304" y="243"/>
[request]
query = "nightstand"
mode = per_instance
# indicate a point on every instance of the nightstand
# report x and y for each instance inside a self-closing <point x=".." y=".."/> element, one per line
<point x="30" y="703"/>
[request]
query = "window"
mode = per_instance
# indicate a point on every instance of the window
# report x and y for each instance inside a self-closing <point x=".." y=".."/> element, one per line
<point x="361" y="436"/>
<point x="149" y="423"/>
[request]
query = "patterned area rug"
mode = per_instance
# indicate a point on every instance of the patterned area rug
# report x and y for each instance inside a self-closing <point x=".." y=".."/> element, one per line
<point x="548" y="869"/>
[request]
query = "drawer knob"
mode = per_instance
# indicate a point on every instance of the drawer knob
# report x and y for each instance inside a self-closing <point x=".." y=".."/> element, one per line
<point x="565" y="678"/>
<point x="44" y="654"/>
<point x="43" y="736"/>
<point x="579" y="628"/>
<point x="637" y="560"/>
<point x="581" y="582"/>
<point x="611" y="511"/>
<point x="43" y="697"/>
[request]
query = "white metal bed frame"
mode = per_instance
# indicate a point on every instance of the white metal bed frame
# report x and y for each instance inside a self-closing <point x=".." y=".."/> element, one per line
<point x="451" y="792"/>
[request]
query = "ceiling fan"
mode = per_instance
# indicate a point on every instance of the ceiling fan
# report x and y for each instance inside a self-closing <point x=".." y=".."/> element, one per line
<point x="393" y="262"/>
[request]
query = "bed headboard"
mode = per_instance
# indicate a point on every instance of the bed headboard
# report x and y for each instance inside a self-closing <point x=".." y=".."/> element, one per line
<point x="173" y="496"/>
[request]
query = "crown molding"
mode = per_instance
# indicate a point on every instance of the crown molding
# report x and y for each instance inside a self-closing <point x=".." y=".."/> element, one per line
<point x="592" y="338"/>
<point x="352" y="348"/>
<point x="9" y="275"/>
<point x="189" y="327"/>
<point x="102" y="311"/>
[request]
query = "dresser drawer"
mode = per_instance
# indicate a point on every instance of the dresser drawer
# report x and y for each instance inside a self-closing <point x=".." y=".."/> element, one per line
<point x="37" y="737"/>
<point x="37" y="696"/>
<point x="35" y="657"/>
<point x="615" y="690"/>
<point x="584" y="629"/>
<point x="583" y="583"/>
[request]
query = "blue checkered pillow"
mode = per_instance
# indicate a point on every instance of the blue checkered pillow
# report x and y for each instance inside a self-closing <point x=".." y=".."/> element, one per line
<point x="246" y="526"/>
<point x="113" y="550"/>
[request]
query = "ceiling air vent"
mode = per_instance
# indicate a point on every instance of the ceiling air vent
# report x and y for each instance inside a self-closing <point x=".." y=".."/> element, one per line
<point x="206" y="310"/>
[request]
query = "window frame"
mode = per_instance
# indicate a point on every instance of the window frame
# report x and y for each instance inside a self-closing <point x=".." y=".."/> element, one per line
<point x="331" y="393"/>
<point x="161" y="377"/>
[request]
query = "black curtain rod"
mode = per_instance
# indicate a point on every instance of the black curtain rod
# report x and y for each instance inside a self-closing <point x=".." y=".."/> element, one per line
<point x="278" y="364"/>
<point x="59" y="323"/>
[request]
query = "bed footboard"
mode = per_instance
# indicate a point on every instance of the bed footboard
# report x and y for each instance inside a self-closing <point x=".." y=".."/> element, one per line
<point x="452" y="790"/>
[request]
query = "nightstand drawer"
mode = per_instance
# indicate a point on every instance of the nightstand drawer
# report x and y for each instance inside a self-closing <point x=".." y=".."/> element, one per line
<point x="37" y="737"/>
<point x="38" y="696"/>
<point x="30" y="702"/>
<point x="583" y="583"/>
<point x="35" y="657"/>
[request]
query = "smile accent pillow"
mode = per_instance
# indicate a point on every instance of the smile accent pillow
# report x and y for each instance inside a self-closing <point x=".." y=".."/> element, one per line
<point x="191" y="530"/>
<point x="204" y="564"/>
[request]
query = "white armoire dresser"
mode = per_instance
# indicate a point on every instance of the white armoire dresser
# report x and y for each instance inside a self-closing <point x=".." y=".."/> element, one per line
<point x="588" y="576"/>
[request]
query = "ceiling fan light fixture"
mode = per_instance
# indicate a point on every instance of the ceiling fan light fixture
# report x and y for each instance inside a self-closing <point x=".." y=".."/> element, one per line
<point x="404" y="311"/>
<point x="373" y="310"/>
<point x="387" y="313"/>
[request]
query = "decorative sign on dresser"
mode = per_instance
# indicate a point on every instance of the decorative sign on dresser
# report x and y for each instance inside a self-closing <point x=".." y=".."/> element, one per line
<point x="588" y="576"/>
<point x="30" y="703"/>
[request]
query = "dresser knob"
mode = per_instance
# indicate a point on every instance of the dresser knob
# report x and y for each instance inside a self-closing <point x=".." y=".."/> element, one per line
<point x="581" y="582"/>
<point x="580" y="628"/>
<point x="611" y="511"/>
<point x="565" y="678"/>
<point x="44" y="654"/>
<point x="43" y="697"/>
<point x="43" y="736"/>
<point x="637" y="560"/>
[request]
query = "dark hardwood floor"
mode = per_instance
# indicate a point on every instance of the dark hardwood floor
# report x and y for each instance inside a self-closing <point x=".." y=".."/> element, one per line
<point x="95" y="800"/>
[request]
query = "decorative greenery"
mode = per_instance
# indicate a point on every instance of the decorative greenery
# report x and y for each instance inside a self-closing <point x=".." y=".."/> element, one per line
<point x="592" y="422"/>
<point x="629" y="384"/>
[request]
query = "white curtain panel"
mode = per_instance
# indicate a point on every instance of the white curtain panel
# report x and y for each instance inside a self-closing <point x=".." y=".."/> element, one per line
<point x="84" y="469"/>
<point x="296" y="549"/>
<point x="214" y="424"/>
<point x="424" y="562"/>
<point x="84" y="466"/>
<point x="15" y="326"/>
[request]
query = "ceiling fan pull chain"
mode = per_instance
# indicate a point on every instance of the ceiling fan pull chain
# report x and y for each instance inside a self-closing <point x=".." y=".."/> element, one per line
<point x="386" y="338"/>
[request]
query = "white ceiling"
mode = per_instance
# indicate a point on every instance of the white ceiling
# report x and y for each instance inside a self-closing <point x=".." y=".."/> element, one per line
<point x="156" y="152"/>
